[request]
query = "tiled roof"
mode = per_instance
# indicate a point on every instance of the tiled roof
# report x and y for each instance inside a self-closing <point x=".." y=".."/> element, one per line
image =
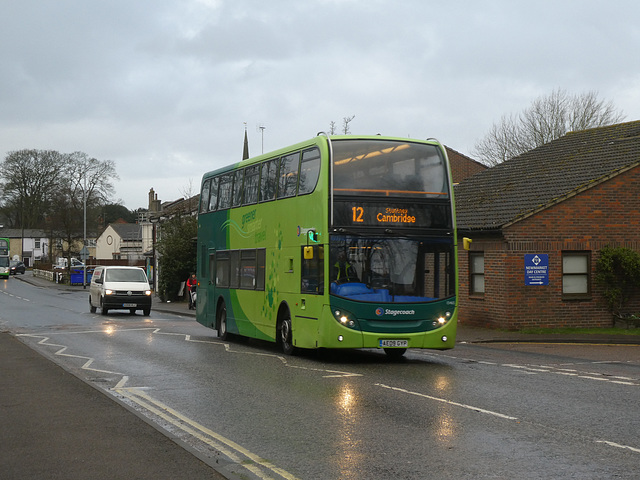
<point x="18" y="233"/>
<point x="128" y="231"/>
<point x="545" y="176"/>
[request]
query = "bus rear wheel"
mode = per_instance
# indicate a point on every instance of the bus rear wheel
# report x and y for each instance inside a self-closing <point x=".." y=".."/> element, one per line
<point x="222" y="322"/>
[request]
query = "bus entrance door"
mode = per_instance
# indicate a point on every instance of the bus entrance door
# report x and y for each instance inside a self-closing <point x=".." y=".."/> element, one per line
<point x="210" y="305"/>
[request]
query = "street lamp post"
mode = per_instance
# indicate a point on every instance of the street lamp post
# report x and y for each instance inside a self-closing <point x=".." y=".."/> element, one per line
<point x="84" y="237"/>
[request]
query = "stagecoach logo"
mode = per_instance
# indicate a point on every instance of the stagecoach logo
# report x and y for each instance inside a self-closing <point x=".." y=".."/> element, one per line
<point x="381" y="311"/>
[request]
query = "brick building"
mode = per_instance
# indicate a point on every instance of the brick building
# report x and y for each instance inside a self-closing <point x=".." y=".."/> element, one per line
<point x="462" y="167"/>
<point x="538" y="222"/>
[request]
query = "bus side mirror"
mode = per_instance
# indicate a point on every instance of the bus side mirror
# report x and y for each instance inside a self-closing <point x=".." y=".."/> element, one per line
<point x="308" y="253"/>
<point x="466" y="243"/>
<point x="313" y="235"/>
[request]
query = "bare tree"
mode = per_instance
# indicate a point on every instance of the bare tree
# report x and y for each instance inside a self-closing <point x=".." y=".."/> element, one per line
<point x="345" y="124"/>
<point x="333" y="126"/>
<point x="548" y="118"/>
<point x="28" y="179"/>
<point x="190" y="198"/>
<point x="85" y="179"/>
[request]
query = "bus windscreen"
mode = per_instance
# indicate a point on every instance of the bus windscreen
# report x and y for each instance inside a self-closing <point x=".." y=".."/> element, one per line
<point x="390" y="169"/>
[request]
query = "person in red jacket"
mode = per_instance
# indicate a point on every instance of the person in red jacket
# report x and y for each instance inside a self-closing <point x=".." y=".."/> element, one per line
<point x="192" y="283"/>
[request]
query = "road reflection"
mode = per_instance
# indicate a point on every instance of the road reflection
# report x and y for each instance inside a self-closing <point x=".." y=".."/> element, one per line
<point x="350" y="453"/>
<point x="445" y="424"/>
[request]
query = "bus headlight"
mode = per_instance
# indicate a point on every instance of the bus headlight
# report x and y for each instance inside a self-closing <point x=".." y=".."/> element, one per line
<point x="442" y="319"/>
<point x="345" y="318"/>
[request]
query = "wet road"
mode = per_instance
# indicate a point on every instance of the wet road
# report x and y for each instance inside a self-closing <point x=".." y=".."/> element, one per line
<point x="478" y="411"/>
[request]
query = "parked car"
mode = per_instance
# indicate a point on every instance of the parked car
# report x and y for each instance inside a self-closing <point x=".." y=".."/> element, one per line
<point x="16" y="267"/>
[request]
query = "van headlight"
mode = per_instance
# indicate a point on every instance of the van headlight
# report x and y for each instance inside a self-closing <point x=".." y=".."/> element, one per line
<point x="108" y="292"/>
<point x="147" y="292"/>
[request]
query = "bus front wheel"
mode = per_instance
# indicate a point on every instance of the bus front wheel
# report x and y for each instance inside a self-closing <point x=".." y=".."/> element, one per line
<point x="395" y="353"/>
<point x="286" y="335"/>
<point x="222" y="321"/>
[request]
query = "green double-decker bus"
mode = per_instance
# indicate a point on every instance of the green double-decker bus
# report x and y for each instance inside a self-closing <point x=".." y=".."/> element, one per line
<point x="336" y="242"/>
<point x="4" y="258"/>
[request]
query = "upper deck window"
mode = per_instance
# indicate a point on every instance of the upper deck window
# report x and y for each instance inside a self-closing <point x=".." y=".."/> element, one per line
<point x="204" y="196"/>
<point x="251" y="184"/>
<point x="288" y="183"/>
<point x="389" y="168"/>
<point x="269" y="180"/>
<point x="309" y="171"/>
<point x="237" y="188"/>
<point x="224" y="195"/>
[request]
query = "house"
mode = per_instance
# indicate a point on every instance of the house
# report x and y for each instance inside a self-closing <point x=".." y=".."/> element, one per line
<point x="538" y="223"/>
<point x="121" y="241"/>
<point x="28" y="245"/>
<point x="60" y="248"/>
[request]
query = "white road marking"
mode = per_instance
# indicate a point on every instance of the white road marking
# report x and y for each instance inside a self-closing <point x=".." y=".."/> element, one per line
<point x="554" y="370"/>
<point x="617" y="445"/>
<point x="63" y="348"/>
<point x="232" y="450"/>
<point x="449" y="402"/>
<point x="15" y="296"/>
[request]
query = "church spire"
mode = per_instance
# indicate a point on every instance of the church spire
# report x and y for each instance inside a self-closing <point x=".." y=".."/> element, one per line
<point x="245" y="151"/>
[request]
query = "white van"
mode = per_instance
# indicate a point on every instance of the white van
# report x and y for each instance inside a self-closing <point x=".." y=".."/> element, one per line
<point x="119" y="288"/>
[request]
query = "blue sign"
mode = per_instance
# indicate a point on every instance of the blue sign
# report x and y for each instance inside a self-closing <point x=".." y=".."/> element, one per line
<point x="536" y="269"/>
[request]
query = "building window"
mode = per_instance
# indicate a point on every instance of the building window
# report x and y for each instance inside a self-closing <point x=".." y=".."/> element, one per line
<point x="575" y="274"/>
<point x="476" y="273"/>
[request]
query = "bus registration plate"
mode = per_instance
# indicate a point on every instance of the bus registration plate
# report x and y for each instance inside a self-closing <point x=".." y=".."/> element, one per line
<point x="394" y="343"/>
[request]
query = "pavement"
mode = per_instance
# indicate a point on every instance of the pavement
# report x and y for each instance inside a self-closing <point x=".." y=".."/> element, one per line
<point x="55" y="426"/>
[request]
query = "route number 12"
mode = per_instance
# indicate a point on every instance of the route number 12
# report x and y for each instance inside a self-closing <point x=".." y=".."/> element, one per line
<point x="358" y="212"/>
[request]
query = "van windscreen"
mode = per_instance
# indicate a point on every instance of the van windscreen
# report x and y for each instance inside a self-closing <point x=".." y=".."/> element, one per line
<point x="124" y="275"/>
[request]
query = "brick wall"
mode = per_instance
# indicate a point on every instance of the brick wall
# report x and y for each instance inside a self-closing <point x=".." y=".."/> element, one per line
<point x="462" y="166"/>
<point x="607" y="214"/>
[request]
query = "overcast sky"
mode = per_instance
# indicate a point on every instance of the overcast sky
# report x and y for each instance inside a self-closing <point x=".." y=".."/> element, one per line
<point x="164" y="87"/>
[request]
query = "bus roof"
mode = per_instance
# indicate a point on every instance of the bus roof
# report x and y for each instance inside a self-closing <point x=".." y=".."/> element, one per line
<point x="320" y="141"/>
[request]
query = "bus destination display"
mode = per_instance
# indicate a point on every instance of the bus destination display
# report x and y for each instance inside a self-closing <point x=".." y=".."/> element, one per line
<point x="385" y="214"/>
<point x="389" y="215"/>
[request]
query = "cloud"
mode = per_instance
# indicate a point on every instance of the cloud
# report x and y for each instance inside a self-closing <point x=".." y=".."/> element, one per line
<point x="164" y="88"/>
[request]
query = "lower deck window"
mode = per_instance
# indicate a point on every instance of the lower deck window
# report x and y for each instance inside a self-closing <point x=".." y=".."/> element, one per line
<point x="243" y="269"/>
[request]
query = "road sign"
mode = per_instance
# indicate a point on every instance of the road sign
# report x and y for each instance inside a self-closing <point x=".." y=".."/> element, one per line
<point x="536" y="269"/>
